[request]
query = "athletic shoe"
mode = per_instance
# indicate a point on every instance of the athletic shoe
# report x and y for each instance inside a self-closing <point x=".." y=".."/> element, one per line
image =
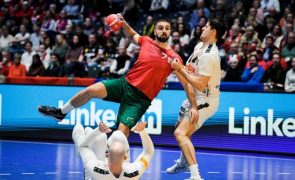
<point x="177" y="167"/>
<point x="52" y="112"/>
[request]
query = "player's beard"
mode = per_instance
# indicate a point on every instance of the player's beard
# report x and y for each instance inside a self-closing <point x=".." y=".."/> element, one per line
<point x="162" y="39"/>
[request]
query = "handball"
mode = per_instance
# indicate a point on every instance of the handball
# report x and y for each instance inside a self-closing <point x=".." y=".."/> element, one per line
<point x="113" y="22"/>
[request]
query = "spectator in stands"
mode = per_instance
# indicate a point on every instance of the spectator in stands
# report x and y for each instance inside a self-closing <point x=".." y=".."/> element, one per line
<point x="22" y="36"/>
<point x="194" y="39"/>
<point x="274" y="76"/>
<point x="234" y="36"/>
<point x="148" y="28"/>
<point x="181" y="52"/>
<point x="35" y="36"/>
<point x="61" y="47"/>
<point x="37" y="67"/>
<point x="183" y="35"/>
<point x="17" y="69"/>
<point x="290" y="78"/>
<point x="254" y="73"/>
<point x="159" y="6"/>
<point x="38" y="15"/>
<point x="261" y="61"/>
<point x="219" y="8"/>
<point x="27" y="56"/>
<point x="15" y="48"/>
<point x="60" y="25"/>
<point x="110" y="49"/>
<point x="232" y="73"/>
<point x="5" y="38"/>
<point x="88" y="26"/>
<point x="74" y="57"/>
<point x="269" y="48"/>
<point x="195" y="15"/>
<point x="90" y="52"/>
<point x="259" y="11"/>
<point x="54" y="69"/>
<point x="48" y="45"/>
<point x="130" y="12"/>
<point x="175" y="39"/>
<point x="107" y="7"/>
<point x="287" y="18"/>
<point x="44" y="55"/>
<point x="121" y="64"/>
<point x="288" y="50"/>
<point x="5" y="62"/>
<point x="79" y="31"/>
<point x="68" y="34"/>
<point x="253" y="12"/>
<point x="247" y="39"/>
<point x="277" y="36"/>
<point x="269" y="5"/>
<point x="72" y="10"/>
<point x="49" y="23"/>
<point x="232" y="53"/>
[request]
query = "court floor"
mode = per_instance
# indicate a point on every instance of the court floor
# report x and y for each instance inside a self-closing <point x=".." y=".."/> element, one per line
<point x="58" y="161"/>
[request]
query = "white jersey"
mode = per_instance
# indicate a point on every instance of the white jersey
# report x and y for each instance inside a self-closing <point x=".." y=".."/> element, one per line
<point x="131" y="171"/>
<point x="206" y="61"/>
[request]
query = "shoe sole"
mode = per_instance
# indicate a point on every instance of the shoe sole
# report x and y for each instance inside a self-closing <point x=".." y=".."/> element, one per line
<point x="175" y="172"/>
<point x="49" y="116"/>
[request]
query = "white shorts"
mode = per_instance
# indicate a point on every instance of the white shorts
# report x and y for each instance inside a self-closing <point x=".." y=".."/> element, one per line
<point x="204" y="112"/>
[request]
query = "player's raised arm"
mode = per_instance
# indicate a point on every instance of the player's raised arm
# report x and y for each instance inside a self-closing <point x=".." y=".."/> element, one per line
<point x="148" y="147"/>
<point x="129" y="32"/>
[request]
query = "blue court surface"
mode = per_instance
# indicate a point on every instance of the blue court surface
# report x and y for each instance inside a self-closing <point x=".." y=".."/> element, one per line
<point x="58" y="161"/>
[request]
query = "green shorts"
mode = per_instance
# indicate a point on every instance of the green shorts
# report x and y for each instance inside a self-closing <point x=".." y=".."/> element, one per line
<point x="133" y="102"/>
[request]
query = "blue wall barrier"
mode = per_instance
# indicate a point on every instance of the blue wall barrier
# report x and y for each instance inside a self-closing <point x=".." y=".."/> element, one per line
<point x="244" y="121"/>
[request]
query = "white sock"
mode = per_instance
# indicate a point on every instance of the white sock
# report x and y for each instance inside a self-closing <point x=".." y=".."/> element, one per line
<point x="194" y="170"/>
<point x="182" y="159"/>
<point x="67" y="107"/>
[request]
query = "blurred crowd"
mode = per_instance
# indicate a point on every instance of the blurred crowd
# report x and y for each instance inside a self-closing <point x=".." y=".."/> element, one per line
<point x="67" y="38"/>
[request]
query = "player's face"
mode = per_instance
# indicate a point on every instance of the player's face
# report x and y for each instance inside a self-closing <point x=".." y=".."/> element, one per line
<point x="162" y="31"/>
<point x="206" y="32"/>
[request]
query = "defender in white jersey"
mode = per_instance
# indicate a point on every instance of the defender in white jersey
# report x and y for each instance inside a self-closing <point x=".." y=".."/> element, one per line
<point x="115" y="166"/>
<point x="201" y="80"/>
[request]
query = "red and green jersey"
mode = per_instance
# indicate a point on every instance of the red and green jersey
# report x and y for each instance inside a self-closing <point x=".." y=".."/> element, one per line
<point x="152" y="67"/>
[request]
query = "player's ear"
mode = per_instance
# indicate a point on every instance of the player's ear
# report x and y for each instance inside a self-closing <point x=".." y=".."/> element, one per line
<point x="125" y="157"/>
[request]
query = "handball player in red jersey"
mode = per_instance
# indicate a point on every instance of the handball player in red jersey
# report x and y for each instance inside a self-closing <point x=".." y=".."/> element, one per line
<point x="139" y="87"/>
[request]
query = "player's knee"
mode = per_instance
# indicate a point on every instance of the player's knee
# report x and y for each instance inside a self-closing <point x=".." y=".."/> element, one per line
<point x="125" y="129"/>
<point x="97" y="90"/>
<point x="179" y="135"/>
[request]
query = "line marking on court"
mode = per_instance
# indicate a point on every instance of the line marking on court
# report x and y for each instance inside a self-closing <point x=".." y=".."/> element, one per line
<point x="262" y="173"/>
<point x="73" y="172"/>
<point x="284" y="173"/>
<point x="237" y="172"/>
<point x="5" y="174"/>
<point x="50" y="172"/>
<point x="27" y="173"/>
<point x="213" y="172"/>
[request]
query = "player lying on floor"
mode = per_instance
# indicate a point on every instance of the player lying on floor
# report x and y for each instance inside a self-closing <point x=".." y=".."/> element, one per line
<point x="114" y="166"/>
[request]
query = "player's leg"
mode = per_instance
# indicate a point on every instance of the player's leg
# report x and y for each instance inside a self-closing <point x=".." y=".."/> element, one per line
<point x="97" y="90"/>
<point x="110" y="90"/>
<point x="182" y="133"/>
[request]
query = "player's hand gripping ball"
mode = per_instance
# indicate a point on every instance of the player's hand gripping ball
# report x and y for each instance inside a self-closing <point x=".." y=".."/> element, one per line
<point x="113" y="22"/>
